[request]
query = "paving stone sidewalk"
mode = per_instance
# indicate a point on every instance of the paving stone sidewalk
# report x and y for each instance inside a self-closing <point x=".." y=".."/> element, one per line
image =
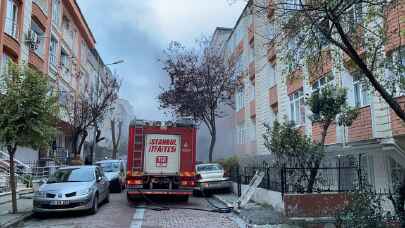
<point x="255" y="214"/>
<point x="24" y="204"/>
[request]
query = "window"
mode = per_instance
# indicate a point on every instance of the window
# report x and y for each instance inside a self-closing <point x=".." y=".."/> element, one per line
<point x="240" y="100"/>
<point x="37" y="42"/>
<point x="56" y="12"/>
<point x="253" y="132"/>
<point x="252" y="92"/>
<point x="354" y="16"/>
<point x="65" y="62"/>
<point x="241" y="137"/>
<point x="5" y="59"/>
<point x="297" y="107"/>
<point x="53" y="50"/>
<point x="83" y="52"/>
<point x="361" y="93"/>
<point x="290" y="5"/>
<point x="397" y="173"/>
<point x="11" y="18"/>
<point x="322" y="82"/>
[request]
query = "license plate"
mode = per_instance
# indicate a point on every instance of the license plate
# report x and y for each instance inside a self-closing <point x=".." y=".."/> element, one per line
<point x="59" y="202"/>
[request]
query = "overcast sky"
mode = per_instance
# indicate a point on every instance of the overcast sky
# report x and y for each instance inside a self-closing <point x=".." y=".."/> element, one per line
<point x="138" y="30"/>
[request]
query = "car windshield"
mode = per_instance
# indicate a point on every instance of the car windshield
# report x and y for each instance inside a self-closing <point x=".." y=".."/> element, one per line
<point x="211" y="167"/>
<point x="110" y="166"/>
<point x="72" y="175"/>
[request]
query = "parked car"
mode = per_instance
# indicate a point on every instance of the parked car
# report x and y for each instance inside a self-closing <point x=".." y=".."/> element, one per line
<point x="211" y="177"/>
<point x="115" y="173"/>
<point x="72" y="188"/>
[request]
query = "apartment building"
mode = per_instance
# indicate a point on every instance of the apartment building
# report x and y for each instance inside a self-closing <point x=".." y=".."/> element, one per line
<point x="53" y="37"/>
<point x="376" y="137"/>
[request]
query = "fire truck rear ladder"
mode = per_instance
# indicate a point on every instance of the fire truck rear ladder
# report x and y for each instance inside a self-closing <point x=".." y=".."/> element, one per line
<point x="138" y="149"/>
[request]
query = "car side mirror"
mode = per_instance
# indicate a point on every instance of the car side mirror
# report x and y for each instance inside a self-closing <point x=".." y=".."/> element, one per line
<point x="99" y="178"/>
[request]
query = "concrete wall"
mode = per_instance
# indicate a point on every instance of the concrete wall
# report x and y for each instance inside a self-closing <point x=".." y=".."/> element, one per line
<point x="264" y="196"/>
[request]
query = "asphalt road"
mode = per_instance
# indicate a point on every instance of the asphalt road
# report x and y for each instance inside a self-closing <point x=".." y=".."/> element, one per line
<point x="119" y="213"/>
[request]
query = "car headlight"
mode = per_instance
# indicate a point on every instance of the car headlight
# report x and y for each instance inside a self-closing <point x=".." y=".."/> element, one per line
<point x="40" y="194"/>
<point x="84" y="192"/>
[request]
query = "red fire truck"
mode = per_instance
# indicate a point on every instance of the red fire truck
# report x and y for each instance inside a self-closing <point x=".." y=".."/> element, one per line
<point x="161" y="159"/>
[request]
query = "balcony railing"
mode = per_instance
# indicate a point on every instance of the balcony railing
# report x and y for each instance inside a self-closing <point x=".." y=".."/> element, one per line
<point x="11" y="28"/>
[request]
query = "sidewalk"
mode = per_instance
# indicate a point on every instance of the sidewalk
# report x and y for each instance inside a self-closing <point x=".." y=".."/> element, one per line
<point x="255" y="214"/>
<point x="24" y="204"/>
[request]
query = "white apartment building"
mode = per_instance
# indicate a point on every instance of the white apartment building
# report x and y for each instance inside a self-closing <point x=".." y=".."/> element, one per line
<point x="377" y="136"/>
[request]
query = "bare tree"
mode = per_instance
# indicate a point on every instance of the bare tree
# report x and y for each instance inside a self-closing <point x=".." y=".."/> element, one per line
<point x="83" y="111"/>
<point x="201" y="81"/>
<point x="115" y="135"/>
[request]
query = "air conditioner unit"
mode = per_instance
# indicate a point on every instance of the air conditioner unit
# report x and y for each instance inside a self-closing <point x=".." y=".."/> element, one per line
<point x="33" y="40"/>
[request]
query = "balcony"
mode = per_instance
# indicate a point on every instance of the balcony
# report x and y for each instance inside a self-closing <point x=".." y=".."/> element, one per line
<point x="252" y="109"/>
<point x="36" y="61"/>
<point x="39" y="14"/>
<point x="251" y="34"/>
<point x="42" y="5"/>
<point x="273" y="98"/>
<point x="320" y="66"/>
<point x="252" y="71"/>
<point x="361" y="128"/>
<point x="330" y="134"/>
<point x="397" y="125"/>
<point x="295" y="81"/>
<point x="240" y="115"/>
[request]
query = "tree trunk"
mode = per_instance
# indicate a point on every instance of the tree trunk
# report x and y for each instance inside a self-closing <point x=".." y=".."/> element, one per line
<point x="114" y="149"/>
<point x="317" y="163"/>
<point x="212" y="144"/>
<point x="12" y="180"/>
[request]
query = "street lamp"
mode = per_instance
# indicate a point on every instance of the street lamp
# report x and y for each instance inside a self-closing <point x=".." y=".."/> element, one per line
<point x="116" y="62"/>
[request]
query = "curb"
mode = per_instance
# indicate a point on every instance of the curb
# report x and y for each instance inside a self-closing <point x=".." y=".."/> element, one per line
<point x="17" y="220"/>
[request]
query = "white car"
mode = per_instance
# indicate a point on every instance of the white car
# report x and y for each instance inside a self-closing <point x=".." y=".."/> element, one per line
<point x="211" y="177"/>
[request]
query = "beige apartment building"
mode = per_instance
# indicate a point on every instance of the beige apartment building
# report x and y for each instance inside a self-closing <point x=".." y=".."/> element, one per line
<point x="377" y="136"/>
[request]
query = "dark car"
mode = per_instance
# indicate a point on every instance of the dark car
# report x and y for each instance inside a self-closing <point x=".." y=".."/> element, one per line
<point x="115" y="173"/>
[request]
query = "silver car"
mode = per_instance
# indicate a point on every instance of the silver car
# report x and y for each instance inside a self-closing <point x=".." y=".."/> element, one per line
<point x="72" y="188"/>
<point x="211" y="176"/>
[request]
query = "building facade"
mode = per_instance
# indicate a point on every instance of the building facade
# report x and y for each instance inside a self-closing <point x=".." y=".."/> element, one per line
<point x="376" y="137"/>
<point x="51" y="36"/>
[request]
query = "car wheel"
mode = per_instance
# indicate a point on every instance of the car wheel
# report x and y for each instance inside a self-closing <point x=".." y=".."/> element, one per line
<point x="107" y="198"/>
<point x="119" y="187"/>
<point x="94" y="208"/>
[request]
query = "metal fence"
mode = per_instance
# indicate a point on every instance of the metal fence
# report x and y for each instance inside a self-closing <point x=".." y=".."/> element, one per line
<point x="296" y="179"/>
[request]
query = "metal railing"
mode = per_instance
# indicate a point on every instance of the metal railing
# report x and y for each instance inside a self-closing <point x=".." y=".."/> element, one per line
<point x="295" y="179"/>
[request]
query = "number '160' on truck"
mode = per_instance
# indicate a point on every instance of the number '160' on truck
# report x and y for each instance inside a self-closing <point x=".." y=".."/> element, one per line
<point x="161" y="159"/>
